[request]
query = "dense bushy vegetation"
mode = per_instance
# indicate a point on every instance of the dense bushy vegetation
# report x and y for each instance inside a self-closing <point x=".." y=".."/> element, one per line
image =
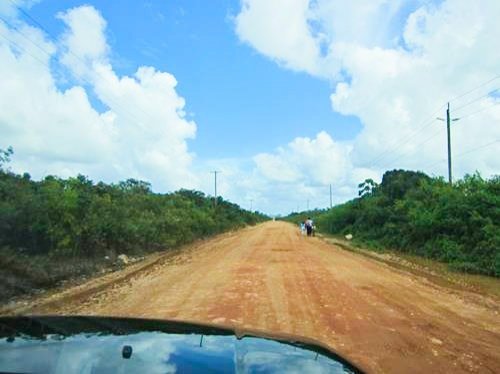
<point x="75" y="217"/>
<point x="411" y="212"/>
<point x="55" y="228"/>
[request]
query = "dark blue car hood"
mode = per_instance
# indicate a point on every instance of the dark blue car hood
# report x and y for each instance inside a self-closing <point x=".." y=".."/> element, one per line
<point x="83" y="344"/>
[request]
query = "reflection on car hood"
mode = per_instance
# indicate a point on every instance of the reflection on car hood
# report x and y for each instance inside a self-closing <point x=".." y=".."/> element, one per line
<point x="123" y="345"/>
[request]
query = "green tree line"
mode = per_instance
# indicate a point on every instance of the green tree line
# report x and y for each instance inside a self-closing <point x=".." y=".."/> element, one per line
<point x="413" y="213"/>
<point x="55" y="228"/>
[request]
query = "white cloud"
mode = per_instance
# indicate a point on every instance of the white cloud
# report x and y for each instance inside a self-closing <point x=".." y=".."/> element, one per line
<point x="280" y="30"/>
<point x="10" y="9"/>
<point x="373" y="23"/>
<point x="276" y="167"/>
<point x="399" y="61"/>
<point x="319" y="160"/>
<point x="304" y="169"/>
<point x="141" y="134"/>
<point x="84" y="43"/>
<point x="41" y="120"/>
<point x="390" y="63"/>
<point x="290" y="176"/>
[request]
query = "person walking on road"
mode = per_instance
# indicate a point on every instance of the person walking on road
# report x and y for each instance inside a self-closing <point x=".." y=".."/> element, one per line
<point x="302" y="228"/>
<point x="309" y="226"/>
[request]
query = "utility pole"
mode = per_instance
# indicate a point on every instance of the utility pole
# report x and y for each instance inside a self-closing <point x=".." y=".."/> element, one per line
<point x="331" y="205"/>
<point x="215" y="186"/>
<point x="251" y="205"/>
<point x="449" y="141"/>
<point x="448" y="131"/>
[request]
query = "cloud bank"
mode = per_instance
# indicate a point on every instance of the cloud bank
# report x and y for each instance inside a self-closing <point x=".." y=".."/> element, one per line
<point x="393" y="64"/>
<point x="55" y="127"/>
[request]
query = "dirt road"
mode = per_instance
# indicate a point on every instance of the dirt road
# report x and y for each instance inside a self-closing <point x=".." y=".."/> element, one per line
<point x="269" y="277"/>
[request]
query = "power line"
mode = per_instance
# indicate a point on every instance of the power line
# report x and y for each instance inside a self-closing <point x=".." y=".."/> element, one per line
<point x="395" y="146"/>
<point x="31" y="18"/>
<point x="24" y="36"/>
<point x="475" y="88"/>
<point x="477" y="99"/>
<point x="455" y="119"/>
<point x="434" y="164"/>
<point x="419" y="145"/>
<point x="477" y="148"/>
<point x="54" y="39"/>
<point x="462" y="154"/>
<point x="25" y="51"/>
<point x="414" y="149"/>
<point x="480" y="110"/>
<point x="425" y="124"/>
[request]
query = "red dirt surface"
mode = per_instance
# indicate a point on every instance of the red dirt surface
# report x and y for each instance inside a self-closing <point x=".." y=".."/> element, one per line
<point x="269" y="277"/>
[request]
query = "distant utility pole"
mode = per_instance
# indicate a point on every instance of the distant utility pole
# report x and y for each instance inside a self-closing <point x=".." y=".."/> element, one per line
<point x="448" y="130"/>
<point x="215" y="186"/>
<point x="331" y="205"/>
<point x="251" y="205"/>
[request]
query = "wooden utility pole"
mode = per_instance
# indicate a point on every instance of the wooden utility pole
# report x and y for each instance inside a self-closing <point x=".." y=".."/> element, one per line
<point x="331" y="205"/>
<point x="449" y="141"/>
<point x="448" y="132"/>
<point x="215" y="187"/>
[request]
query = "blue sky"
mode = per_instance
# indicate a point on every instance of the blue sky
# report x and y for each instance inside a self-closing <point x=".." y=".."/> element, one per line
<point x="285" y="97"/>
<point x="242" y="102"/>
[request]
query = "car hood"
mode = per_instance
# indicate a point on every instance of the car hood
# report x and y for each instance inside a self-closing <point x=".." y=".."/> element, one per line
<point x="83" y="344"/>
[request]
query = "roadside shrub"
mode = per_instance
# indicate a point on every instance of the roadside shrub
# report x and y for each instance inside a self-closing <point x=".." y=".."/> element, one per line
<point x="411" y="212"/>
<point x="56" y="228"/>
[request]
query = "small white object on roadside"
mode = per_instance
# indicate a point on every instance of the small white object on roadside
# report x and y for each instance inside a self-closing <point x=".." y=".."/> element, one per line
<point x="348" y="236"/>
<point x="123" y="259"/>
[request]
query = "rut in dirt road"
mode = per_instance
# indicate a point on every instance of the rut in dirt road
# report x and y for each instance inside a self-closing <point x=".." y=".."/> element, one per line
<point x="270" y="277"/>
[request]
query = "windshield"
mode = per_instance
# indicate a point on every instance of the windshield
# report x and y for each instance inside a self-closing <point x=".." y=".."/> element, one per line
<point x="320" y="168"/>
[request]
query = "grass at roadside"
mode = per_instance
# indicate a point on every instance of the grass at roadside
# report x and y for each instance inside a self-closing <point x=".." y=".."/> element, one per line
<point x="25" y="275"/>
<point x="437" y="272"/>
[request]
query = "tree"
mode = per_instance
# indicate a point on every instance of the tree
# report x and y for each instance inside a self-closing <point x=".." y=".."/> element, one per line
<point x="366" y="188"/>
<point x="409" y="211"/>
<point x="5" y="156"/>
